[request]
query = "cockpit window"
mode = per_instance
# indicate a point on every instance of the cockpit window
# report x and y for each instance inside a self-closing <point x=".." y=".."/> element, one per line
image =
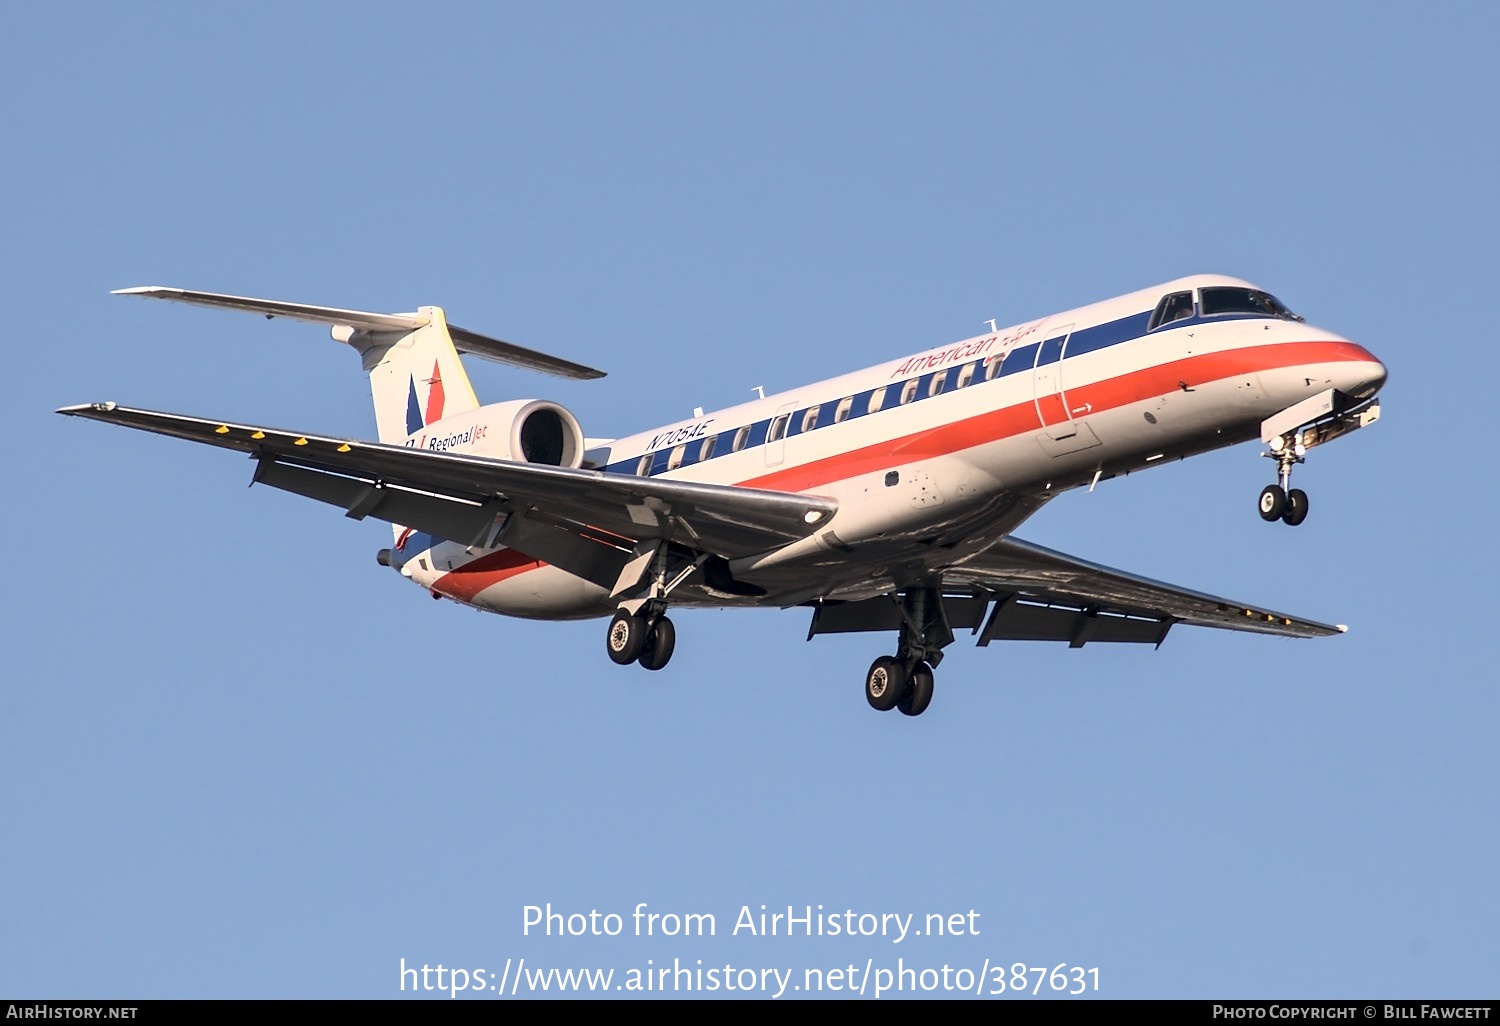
<point x="1238" y="300"/>
<point x="1175" y="307"/>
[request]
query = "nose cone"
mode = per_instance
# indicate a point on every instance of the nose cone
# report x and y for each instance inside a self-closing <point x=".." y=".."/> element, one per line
<point x="1362" y="376"/>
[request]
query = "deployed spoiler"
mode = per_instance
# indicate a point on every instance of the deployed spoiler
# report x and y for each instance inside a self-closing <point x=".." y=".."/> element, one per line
<point x="346" y="322"/>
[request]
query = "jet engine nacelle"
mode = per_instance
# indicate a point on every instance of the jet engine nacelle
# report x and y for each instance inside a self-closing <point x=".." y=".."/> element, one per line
<point x="523" y="430"/>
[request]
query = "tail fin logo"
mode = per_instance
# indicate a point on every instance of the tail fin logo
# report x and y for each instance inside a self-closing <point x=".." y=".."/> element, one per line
<point x="415" y="418"/>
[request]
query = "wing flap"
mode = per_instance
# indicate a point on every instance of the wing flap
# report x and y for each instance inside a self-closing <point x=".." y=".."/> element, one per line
<point x="466" y="522"/>
<point x="1013" y="620"/>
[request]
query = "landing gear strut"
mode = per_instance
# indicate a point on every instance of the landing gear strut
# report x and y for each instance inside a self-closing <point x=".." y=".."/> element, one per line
<point x="640" y="631"/>
<point x="1281" y="501"/>
<point x="905" y="681"/>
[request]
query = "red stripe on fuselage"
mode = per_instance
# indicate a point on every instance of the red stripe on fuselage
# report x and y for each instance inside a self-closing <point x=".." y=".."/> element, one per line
<point x="996" y="425"/>
<point x="472" y="578"/>
<point x="945" y="439"/>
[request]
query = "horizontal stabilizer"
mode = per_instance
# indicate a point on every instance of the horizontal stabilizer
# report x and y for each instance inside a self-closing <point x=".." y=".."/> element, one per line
<point x="464" y="341"/>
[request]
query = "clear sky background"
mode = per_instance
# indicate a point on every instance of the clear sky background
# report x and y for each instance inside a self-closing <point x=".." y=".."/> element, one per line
<point x="241" y="759"/>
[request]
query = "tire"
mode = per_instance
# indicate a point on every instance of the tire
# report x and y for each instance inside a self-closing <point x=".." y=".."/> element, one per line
<point x="625" y="638"/>
<point x="918" y="694"/>
<point x="1296" y="507"/>
<point x="1272" y="502"/>
<point x="661" y="640"/>
<point x="884" y="684"/>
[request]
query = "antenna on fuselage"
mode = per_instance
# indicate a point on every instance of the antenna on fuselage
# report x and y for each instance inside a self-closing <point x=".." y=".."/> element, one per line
<point x="760" y="390"/>
<point x="991" y="323"/>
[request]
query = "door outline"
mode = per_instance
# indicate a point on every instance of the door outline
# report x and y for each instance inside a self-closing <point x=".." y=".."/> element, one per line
<point x="1048" y="385"/>
<point x="776" y="451"/>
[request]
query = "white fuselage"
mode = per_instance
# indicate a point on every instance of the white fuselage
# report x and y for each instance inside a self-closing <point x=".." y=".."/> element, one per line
<point x="935" y="455"/>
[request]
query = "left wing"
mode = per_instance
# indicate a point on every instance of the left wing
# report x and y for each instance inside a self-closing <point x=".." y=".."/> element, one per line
<point x="460" y="497"/>
<point x="1046" y="595"/>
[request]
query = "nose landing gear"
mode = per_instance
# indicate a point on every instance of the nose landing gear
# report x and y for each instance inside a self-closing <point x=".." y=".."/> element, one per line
<point x="1281" y="501"/>
<point x="1288" y="435"/>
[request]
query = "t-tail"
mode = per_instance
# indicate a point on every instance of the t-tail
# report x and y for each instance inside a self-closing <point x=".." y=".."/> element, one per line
<point x="416" y="377"/>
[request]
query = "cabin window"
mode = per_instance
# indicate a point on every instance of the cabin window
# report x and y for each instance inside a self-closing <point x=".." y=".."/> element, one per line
<point x="965" y="375"/>
<point x="740" y="438"/>
<point x="708" y="448"/>
<point x="992" y="366"/>
<point x="810" y="419"/>
<point x="1175" y="307"/>
<point x="778" y="428"/>
<point x="1238" y="300"/>
<point x="841" y="413"/>
<point x="909" y="391"/>
<point x="877" y="399"/>
<point x="938" y="380"/>
<point x="675" y="459"/>
<point x="643" y="468"/>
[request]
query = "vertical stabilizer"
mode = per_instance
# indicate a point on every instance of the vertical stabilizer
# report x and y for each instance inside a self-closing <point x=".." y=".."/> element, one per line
<point x="415" y="376"/>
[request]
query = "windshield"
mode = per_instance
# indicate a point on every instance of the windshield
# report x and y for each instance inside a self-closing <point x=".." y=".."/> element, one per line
<point x="1235" y="300"/>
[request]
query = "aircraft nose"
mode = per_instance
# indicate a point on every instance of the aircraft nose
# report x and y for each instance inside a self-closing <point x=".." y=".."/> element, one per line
<point x="1363" y="377"/>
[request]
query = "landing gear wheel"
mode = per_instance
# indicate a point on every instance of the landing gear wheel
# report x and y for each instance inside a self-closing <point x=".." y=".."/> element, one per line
<point x="1296" y="507"/>
<point x="1272" y="502"/>
<point x="918" y="694"/>
<point x="661" y="639"/>
<point x="626" y="637"/>
<point x="884" y="683"/>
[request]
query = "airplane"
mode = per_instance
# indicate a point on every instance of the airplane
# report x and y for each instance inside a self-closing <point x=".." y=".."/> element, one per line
<point x="885" y="500"/>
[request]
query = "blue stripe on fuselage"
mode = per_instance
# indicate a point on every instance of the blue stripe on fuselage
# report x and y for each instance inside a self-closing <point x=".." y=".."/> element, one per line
<point x="1021" y="360"/>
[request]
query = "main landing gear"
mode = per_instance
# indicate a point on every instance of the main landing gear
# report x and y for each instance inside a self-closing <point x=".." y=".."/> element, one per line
<point x="640" y="631"/>
<point x="904" y="681"/>
<point x="637" y="638"/>
<point x="892" y="684"/>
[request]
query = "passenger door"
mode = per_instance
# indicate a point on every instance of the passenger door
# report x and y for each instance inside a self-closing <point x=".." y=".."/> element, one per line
<point x="1051" y="399"/>
<point x="1061" y="433"/>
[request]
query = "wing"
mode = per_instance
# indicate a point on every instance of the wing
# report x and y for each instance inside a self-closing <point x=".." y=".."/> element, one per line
<point x="1045" y="595"/>
<point x="557" y="514"/>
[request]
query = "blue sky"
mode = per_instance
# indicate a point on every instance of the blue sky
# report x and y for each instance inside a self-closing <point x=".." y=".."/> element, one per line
<point x="241" y="759"/>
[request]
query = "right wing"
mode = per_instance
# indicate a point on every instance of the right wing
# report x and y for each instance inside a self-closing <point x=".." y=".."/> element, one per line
<point x="460" y="498"/>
